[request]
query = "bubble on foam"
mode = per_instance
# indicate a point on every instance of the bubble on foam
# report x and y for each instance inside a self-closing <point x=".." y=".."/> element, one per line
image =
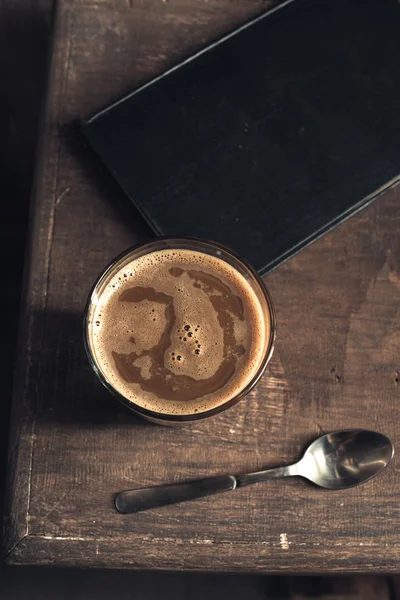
<point x="260" y="330"/>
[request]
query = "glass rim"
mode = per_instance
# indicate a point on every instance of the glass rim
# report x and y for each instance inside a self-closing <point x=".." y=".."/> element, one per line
<point x="158" y="416"/>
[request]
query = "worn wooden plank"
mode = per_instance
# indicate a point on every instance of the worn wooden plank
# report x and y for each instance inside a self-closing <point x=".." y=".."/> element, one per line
<point x="336" y="363"/>
<point x="196" y="555"/>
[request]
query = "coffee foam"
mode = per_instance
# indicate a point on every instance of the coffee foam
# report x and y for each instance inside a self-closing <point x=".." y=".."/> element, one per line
<point x="117" y="327"/>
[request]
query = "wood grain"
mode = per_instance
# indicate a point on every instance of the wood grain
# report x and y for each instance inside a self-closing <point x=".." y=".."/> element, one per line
<point x="336" y="362"/>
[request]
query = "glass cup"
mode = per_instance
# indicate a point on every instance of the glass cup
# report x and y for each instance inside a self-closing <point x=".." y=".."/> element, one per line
<point x="178" y="243"/>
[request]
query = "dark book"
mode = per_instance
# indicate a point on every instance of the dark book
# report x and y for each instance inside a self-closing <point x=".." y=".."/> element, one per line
<point x="270" y="137"/>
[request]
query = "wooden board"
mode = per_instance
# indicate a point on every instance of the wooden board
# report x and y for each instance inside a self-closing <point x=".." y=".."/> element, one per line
<point x="336" y="363"/>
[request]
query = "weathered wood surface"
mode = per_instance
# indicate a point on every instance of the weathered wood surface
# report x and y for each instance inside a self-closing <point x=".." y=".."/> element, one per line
<point x="336" y="362"/>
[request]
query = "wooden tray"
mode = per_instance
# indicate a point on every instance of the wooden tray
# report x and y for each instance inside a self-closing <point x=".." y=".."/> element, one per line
<point x="336" y="362"/>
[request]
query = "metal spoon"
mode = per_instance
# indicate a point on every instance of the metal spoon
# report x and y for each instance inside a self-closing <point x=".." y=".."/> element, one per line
<point x="338" y="460"/>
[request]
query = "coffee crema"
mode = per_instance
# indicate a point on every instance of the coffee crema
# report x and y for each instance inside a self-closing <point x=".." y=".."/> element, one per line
<point x="178" y="331"/>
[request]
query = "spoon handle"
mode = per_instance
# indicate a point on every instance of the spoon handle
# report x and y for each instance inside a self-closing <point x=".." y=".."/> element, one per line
<point x="277" y="473"/>
<point x="132" y="501"/>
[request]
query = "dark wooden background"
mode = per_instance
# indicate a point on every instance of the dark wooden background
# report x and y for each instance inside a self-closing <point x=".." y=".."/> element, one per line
<point x="24" y="39"/>
<point x="336" y="364"/>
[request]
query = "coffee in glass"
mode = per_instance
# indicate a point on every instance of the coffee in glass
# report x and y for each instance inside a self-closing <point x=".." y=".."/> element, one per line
<point x="179" y="329"/>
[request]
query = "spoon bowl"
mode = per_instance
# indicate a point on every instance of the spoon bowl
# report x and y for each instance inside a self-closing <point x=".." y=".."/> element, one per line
<point x="343" y="459"/>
